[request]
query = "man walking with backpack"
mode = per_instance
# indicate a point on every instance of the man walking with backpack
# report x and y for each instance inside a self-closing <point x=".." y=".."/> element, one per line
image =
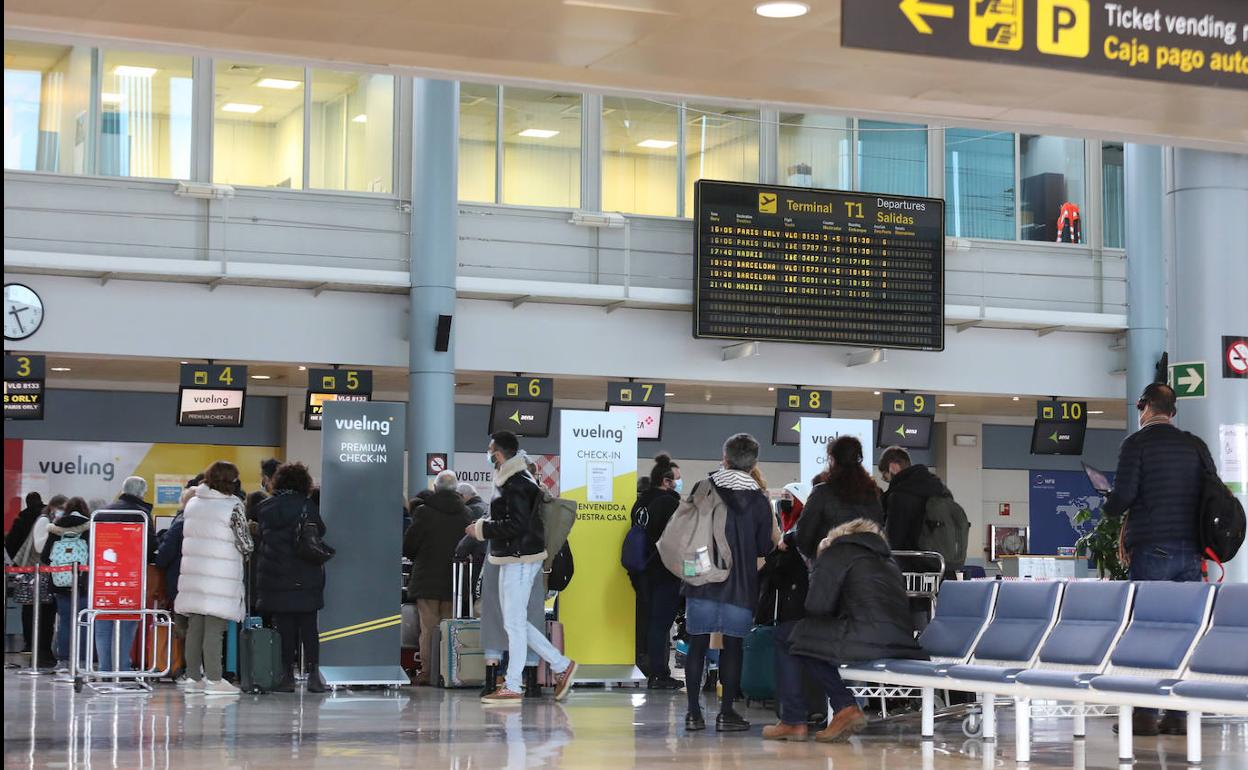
<point x="518" y="546"/>
<point x="920" y="513"/>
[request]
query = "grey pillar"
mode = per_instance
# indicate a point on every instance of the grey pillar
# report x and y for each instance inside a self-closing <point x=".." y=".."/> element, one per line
<point x="431" y="380"/>
<point x="1207" y="215"/>
<point x="1146" y="287"/>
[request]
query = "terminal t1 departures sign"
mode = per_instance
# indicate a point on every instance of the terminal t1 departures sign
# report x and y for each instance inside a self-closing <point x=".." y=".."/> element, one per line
<point x="23" y="386"/>
<point x="792" y="404"/>
<point x="791" y="264"/>
<point x="1193" y="42"/>
<point x="334" y="385"/>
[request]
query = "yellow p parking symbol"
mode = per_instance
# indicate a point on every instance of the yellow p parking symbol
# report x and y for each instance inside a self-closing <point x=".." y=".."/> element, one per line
<point x="1063" y="27"/>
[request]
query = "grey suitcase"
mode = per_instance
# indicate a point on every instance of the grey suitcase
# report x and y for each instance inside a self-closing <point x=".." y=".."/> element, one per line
<point x="457" y="655"/>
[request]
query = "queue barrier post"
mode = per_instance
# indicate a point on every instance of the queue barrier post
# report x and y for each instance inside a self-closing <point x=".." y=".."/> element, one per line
<point x="34" y="635"/>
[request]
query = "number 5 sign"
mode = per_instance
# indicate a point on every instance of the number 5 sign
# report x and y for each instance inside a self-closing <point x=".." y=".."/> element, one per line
<point x="1235" y="357"/>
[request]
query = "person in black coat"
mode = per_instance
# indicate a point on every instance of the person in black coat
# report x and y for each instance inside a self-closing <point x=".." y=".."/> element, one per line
<point x="657" y="590"/>
<point x="905" y="503"/>
<point x="290" y="589"/>
<point x="437" y="527"/>
<point x="835" y="499"/>
<point x="23" y="524"/>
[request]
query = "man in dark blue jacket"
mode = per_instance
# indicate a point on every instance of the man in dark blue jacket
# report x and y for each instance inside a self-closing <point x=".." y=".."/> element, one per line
<point x="1157" y="488"/>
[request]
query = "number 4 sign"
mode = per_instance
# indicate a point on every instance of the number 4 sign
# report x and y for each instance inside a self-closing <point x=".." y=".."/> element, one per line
<point x="1235" y="357"/>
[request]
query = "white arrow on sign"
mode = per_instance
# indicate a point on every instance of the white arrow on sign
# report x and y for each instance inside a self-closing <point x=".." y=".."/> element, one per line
<point x="1191" y="381"/>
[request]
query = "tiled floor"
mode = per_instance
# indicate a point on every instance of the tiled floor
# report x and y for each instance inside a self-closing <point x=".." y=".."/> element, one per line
<point x="47" y="726"/>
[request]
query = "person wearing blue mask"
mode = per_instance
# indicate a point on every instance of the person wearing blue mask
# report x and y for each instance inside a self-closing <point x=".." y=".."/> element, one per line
<point x="658" y="591"/>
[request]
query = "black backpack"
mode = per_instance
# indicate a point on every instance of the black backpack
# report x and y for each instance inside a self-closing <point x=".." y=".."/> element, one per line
<point x="561" y="569"/>
<point x="1221" y="515"/>
<point x="945" y="530"/>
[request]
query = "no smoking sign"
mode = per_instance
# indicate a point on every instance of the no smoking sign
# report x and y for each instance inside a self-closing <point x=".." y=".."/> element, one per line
<point x="435" y="463"/>
<point x="1235" y="357"/>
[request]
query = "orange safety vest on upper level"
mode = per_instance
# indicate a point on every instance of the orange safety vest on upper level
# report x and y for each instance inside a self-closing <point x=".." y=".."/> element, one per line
<point x="1068" y="215"/>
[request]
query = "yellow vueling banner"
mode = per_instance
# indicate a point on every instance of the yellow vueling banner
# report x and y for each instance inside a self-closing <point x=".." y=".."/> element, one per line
<point x="598" y="469"/>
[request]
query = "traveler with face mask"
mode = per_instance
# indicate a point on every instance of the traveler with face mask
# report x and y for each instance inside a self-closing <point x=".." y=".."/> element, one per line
<point x="658" y="590"/>
<point x="1158" y="489"/>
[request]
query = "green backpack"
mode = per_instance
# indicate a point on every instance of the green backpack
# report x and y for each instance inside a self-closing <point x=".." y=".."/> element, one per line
<point x="945" y="530"/>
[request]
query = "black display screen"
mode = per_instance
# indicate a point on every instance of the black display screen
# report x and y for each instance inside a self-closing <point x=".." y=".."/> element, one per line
<point x="911" y="431"/>
<point x="523" y="418"/>
<point x="1057" y="437"/>
<point x="791" y="264"/>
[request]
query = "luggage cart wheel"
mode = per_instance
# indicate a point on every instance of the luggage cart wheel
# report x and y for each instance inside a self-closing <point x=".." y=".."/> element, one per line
<point x="77" y="684"/>
<point x="972" y="725"/>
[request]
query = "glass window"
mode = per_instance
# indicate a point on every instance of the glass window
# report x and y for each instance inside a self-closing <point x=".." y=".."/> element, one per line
<point x="720" y="144"/>
<point x="814" y="150"/>
<point x="979" y="184"/>
<point x="541" y="148"/>
<point x="257" y="133"/>
<point x="1051" y="174"/>
<point x="892" y="158"/>
<point x="1113" y="189"/>
<point x="145" y="104"/>
<point x="352" y="132"/>
<point x="46" y="107"/>
<point x="478" y="136"/>
<point x="639" y="156"/>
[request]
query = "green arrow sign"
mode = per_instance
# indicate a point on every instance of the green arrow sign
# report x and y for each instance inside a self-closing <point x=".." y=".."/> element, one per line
<point x="1188" y="379"/>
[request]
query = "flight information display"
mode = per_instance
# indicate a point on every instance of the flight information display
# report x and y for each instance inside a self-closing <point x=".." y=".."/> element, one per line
<point x="790" y="264"/>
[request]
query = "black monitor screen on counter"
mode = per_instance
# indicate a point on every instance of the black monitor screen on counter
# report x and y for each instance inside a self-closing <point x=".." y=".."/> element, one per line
<point x="791" y="264"/>
<point x="1057" y="437"/>
<point x="523" y="418"/>
<point x="649" y="420"/>
<point x="202" y="407"/>
<point x="911" y="431"/>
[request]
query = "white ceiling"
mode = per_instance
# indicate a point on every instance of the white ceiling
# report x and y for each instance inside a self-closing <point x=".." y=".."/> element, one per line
<point x="710" y="48"/>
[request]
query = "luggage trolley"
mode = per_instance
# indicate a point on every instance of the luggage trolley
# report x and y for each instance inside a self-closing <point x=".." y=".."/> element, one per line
<point x="117" y="592"/>
<point x="923" y="572"/>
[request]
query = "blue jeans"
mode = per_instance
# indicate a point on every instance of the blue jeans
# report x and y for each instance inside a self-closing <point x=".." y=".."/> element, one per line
<point x="792" y="669"/>
<point x="65" y="618"/>
<point x="515" y="583"/>
<point x="104" y="643"/>
<point x="1179" y="563"/>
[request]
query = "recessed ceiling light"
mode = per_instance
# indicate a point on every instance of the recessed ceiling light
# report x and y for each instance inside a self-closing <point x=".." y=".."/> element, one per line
<point x="947" y="405"/>
<point x="261" y="377"/>
<point x="1095" y="411"/>
<point x="669" y="395"/>
<point x="538" y="133"/>
<point x="250" y="109"/>
<point x="280" y="84"/>
<point x="111" y="98"/>
<point x="184" y="362"/>
<point x="875" y="392"/>
<point x="1016" y="398"/>
<point x="771" y="390"/>
<point x="361" y="118"/>
<point x="785" y="10"/>
<point x="128" y="71"/>
<point x="303" y="368"/>
<point x="61" y="369"/>
<point x="656" y="144"/>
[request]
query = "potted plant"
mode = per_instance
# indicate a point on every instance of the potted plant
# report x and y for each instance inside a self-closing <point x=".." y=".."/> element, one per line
<point x="1100" y="544"/>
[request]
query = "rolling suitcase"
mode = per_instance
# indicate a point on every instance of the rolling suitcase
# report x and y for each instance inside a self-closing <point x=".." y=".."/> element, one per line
<point x="554" y="632"/>
<point x="460" y="661"/>
<point x="758" y="669"/>
<point x="259" y="657"/>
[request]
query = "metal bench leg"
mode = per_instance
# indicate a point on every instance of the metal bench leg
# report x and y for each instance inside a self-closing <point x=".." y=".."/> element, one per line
<point x="1022" y="729"/>
<point x="990" y="716"/>
<point x="1081" y="721"/>
<point x="929" y="712"/>
<point x="1126" y="751"/>
<point x="1193" y="737"/>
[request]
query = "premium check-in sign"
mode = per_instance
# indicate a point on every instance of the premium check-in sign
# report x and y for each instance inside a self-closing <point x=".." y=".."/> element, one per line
<point x="1196" y="42"/>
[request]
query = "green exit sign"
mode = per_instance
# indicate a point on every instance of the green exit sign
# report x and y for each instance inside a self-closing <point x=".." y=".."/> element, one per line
<point x="1188" y="380"/>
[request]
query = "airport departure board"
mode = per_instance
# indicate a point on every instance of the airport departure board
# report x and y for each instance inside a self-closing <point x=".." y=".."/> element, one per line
<point x="790" y="264"/>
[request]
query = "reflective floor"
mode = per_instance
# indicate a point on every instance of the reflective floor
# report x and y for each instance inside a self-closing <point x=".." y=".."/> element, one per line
<point x="47" y="726"/>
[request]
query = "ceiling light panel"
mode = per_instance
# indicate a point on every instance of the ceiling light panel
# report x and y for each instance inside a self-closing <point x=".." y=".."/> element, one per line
<point x="656" y="144"/>
<point x="785" y="10"/>
<point x="128" y="71"/>
<point x="538" y="133"/>
<point x="247" y="109"/>
<point x="280" y="84"/>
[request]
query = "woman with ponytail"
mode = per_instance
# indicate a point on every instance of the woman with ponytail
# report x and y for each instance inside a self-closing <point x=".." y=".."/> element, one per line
<point x="847" y="492"/>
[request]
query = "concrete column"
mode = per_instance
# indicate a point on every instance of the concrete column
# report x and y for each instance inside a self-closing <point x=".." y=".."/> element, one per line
<point x="1207" y="218"/>
<point x="1146" y="277"/>
<point x="435" y="168"/>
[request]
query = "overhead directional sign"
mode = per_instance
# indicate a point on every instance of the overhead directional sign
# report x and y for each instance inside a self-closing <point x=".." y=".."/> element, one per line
<point x="908" y="403"/>
<point x="792" y="404"/>
<point x="1235" y="357"/>
<point x="1188" y="379"/>
<point x="1194" y="42"/>
<point x="23" y="386"/>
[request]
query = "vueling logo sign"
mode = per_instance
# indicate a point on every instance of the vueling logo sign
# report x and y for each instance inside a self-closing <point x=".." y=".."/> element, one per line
<point x="767" y="202"/>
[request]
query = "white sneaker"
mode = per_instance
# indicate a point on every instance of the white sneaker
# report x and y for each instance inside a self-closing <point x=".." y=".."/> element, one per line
<point x="220" y="687"/>
<point x="186" y="684"/>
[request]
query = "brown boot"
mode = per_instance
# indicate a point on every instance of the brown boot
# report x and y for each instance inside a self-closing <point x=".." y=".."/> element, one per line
<point x="785" y="732"/>
<point x="845" y="723"/>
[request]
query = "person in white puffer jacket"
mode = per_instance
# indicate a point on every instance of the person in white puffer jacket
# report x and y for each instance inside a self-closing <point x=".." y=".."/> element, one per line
<point x="210" y="588"/>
